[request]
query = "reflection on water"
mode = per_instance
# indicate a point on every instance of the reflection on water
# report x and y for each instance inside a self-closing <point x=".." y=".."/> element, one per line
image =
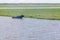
<point x="29" y="29"/>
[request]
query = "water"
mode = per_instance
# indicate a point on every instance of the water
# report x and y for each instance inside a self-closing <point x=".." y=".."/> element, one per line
<point x="29" y="29"/>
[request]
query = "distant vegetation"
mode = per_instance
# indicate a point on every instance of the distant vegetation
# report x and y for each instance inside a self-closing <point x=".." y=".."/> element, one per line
<point x="31" y="10"/>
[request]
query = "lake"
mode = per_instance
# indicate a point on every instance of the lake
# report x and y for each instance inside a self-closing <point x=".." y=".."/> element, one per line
<point x="29" y="29"/>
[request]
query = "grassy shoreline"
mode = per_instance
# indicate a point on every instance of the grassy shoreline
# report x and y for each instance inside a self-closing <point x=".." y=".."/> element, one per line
<point x="33" y="13"/>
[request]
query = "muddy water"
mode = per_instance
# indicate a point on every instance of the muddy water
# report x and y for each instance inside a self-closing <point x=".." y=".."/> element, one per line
<point x="29" y="29"/>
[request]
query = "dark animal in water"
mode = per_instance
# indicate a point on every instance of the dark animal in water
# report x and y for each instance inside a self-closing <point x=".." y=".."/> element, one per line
<point x="18" y="17"/>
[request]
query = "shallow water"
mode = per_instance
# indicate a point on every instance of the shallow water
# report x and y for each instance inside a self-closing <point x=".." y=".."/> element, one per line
<point x="29" y="29"/>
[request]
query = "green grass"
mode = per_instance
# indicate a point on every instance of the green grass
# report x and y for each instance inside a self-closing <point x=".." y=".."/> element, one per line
<point x="42" y="12"/>
<point x="33" y="13"/>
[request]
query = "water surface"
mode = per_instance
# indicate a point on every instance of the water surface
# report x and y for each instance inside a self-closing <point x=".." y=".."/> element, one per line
<point x="29" y="29"/>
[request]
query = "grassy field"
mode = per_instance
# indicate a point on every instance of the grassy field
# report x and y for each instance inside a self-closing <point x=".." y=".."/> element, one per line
<point x="47" y="13"/>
